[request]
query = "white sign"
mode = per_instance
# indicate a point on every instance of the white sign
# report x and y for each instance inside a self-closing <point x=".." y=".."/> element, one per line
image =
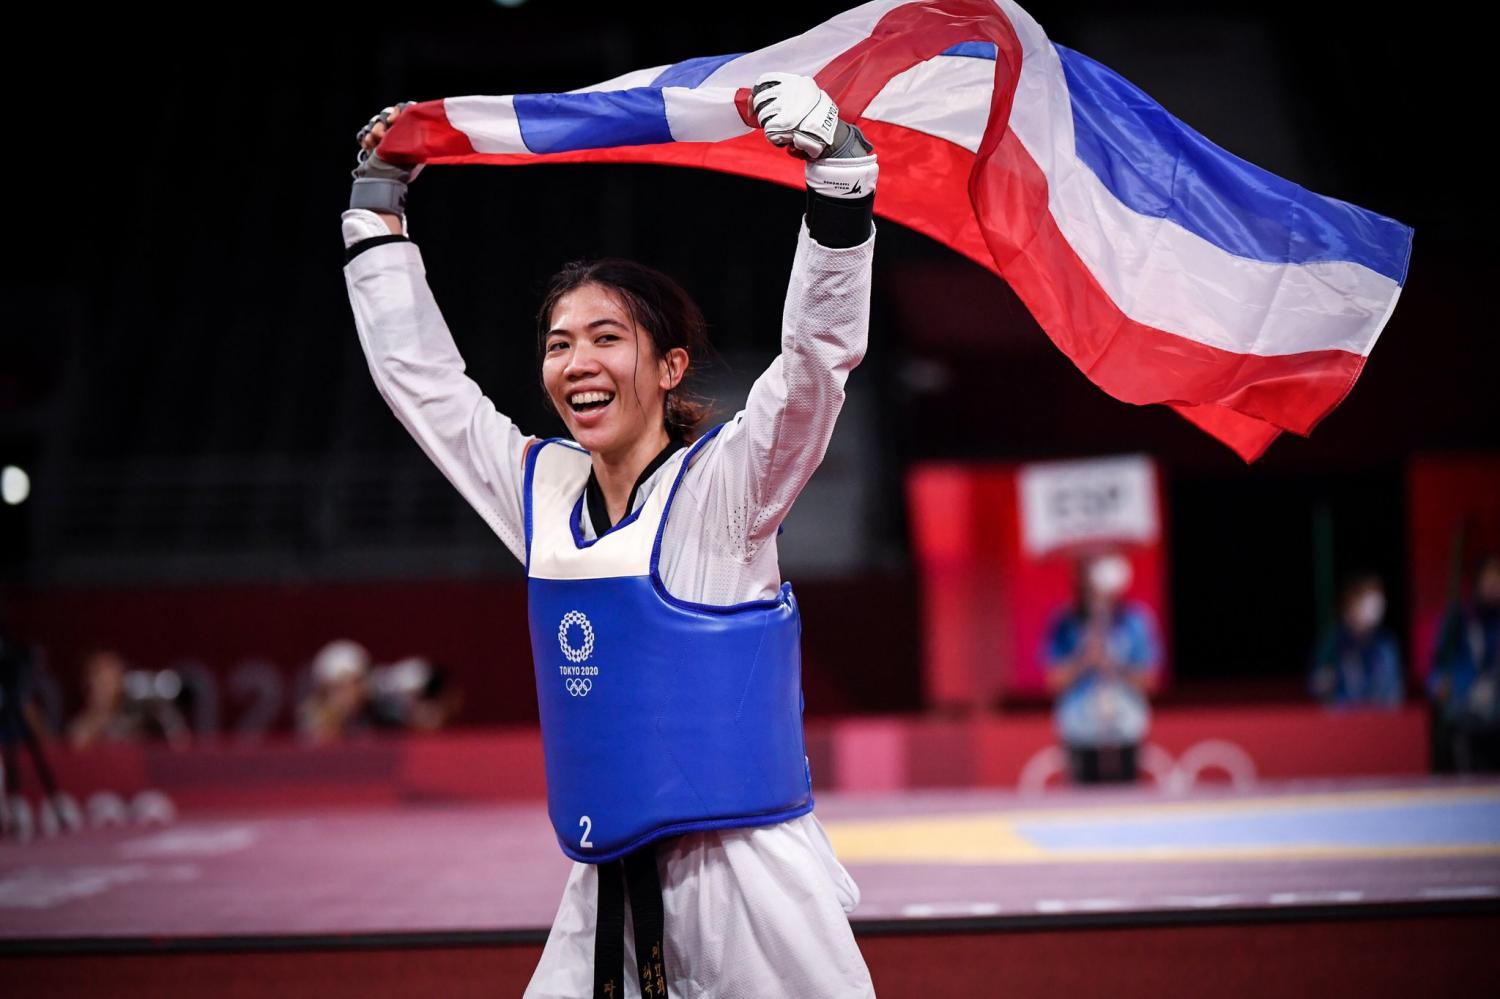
<point x="1102" y="499"/>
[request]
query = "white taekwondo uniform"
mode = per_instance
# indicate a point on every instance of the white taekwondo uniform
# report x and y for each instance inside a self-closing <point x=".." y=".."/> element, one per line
<point x="749" y="912"/>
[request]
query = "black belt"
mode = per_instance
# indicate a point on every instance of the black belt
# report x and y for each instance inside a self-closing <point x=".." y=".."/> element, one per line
<point x="638" y="871"/>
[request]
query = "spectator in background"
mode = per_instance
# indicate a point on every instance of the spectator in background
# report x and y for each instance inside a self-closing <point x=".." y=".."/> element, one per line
<point x="1357" y="662"/>
<point x="1466" y="671"/>
<point x="123" y="705"/>
<point x="413" y="694"/>
<point x="339" y="704"/>
<point x="1103" y="660"/>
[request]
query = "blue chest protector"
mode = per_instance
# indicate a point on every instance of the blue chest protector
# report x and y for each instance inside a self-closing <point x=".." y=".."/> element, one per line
<point x="659" y="716"/>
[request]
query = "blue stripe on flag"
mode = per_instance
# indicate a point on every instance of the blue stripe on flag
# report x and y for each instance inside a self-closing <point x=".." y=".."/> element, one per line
<point x="562" y="123"/>
<point x="974" y="50"/>
<point x="691" y="72"/>
<point x="1158" y="166"/>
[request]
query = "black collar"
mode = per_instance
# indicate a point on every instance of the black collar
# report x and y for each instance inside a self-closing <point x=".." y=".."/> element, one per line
<point x="594" y="494"/>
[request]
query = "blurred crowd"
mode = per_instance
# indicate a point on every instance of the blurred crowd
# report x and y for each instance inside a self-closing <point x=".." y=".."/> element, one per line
<point x="1102" y="653"/>
<point x="350" y="695"/>
<point x="1464" y="676"/>
<point x="1358" y="664"/>
<point x="1103" y="662"/>
<point x="346" y="694"/>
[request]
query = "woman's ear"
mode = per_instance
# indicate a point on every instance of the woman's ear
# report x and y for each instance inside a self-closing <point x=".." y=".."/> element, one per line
<point x="673" y="367"/>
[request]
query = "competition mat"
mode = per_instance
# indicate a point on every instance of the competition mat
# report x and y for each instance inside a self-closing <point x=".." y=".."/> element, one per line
<point x="1310" y="888"/>
<point x="978" y="857"/>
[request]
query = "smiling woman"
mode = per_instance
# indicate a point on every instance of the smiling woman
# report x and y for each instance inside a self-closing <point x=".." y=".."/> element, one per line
<point x="619" y="343"/>
<point x="664" y="641"/>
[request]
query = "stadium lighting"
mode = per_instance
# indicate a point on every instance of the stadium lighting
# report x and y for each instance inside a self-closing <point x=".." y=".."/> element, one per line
<point x="15" y="485"/>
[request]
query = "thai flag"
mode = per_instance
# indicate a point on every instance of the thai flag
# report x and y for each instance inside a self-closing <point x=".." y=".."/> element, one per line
<point x="1169" y="270"/>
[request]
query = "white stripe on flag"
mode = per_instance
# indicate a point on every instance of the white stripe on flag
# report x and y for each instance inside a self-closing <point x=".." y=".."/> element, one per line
<point x="959" y="116"/>
<point x="489" y="122"/>
<point x="626" y="81"/>
<point x="809" y="52"/>
<point x="1160" y="274"/>
<point x="1157" y="272"/>
<point x="702" y="114"/>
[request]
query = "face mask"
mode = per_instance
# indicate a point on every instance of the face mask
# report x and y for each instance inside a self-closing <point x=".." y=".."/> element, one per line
<point x="1110" y="575"/>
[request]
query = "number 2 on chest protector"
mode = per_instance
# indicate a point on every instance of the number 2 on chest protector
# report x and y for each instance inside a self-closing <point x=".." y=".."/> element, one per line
<point x="588" y="828"/>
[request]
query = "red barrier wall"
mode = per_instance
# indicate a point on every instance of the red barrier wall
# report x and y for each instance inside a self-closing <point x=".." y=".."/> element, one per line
<point x="1448" y="497"/>
<point x="860" y="640"/>
<point x="857" y="754"/>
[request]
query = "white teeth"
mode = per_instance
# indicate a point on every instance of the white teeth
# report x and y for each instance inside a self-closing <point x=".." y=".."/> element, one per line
<point x="580" y="398"/>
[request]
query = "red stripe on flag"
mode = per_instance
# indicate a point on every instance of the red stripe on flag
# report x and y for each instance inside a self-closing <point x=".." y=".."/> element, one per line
<point x="748" y="155"/>
<point x="422" y="134"/>
<point x="742" y="105"/>
<point x="1129" y="360"/>
<point x="1018" y="239"/>
<point x="912" y="34"/>
<point x="1247" y="436"/>
<point x="1004" y="224"/>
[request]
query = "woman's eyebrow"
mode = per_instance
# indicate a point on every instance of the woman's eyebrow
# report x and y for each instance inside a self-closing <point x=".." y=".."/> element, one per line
<point x="560" y="331"/>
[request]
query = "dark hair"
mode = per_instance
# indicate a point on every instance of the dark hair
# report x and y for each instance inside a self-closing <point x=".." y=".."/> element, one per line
<point x="656" y="304"/>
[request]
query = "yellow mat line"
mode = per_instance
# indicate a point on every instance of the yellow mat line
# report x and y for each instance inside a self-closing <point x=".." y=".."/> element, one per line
<point x="1255" y="803"/>
<point x="936" y="847"/>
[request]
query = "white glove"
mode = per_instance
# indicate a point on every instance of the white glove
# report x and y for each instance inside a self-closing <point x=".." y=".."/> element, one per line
<point x="795" y="112"/>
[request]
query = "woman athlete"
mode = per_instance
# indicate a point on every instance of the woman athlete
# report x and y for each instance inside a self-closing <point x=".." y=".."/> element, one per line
<point x="664" y="639"/>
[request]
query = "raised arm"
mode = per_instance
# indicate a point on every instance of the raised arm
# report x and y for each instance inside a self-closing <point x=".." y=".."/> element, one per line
<point x="771" y="449"/>
<point x="411" y="353"/>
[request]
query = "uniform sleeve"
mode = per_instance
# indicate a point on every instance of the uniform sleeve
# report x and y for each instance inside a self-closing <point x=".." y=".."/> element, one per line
<point x="1061" y="640"/>
<point x="1389" y="687"/>
<point x="1145" y="645"/>
<point x="772" y="447"/>
<point x="419" y="373"/>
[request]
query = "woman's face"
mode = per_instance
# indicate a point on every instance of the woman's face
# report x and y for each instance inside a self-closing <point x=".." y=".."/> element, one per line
<point x="602" y="372"/>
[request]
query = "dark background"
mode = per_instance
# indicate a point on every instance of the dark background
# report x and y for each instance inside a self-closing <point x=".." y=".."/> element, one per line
<point x="179" y="369"/>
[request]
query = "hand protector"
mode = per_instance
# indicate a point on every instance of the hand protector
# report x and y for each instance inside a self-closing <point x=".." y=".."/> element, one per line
<point x="843" y="178"/>
<point x="849" y="170"/>
<point x="795" y="111"/>
<point x="378" y="185"/>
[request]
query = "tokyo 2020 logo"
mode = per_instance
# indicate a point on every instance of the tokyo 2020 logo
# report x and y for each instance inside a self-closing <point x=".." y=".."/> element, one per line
<point x="576" y="678"/>
<point x="582" y="652"/>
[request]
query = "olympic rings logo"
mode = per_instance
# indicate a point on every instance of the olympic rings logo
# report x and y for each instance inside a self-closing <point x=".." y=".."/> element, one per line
<point x="577" y="655"/>
<point x="579" y="688"/>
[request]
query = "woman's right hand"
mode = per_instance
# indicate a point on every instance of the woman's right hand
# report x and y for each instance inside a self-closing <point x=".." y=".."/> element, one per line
<point x="369" y="137"/>
<point x="380" y="186"/>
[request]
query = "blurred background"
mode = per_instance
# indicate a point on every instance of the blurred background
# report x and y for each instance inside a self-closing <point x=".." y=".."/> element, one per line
<point x="203" y="488"/>
<point x="237" y="601"/>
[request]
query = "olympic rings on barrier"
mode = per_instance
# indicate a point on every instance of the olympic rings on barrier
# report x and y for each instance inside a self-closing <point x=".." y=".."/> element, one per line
<point x="578" y="688"/>
<point x="1172" y="776"/>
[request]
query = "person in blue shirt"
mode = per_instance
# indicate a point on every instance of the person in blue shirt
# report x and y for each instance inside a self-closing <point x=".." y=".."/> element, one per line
<point x="1357" y="662"/>
<point x="1466" y="673"/>
<point x="1103" y="659"/>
